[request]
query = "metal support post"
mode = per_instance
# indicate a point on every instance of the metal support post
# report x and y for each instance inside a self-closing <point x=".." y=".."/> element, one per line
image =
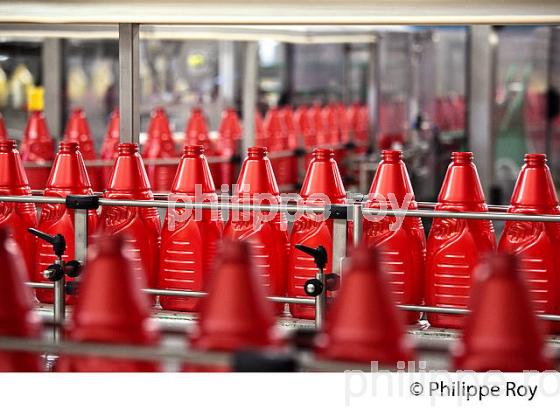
<point x="549" y="126"/>
<point x="80" y="234"/>
<point x="347" y="74"/>
<point x="321" y="302"/>
<point x="129" y="84"/>
<point x="226" y="67"/>
<point x="357" y="224"/>
<point x="374" y="90"/>
<point x="54" y="84"/>
<point x="250" y="89"/>
<point x="59" y="306"/>
<point x="413" y="78"/>
<point x="340" y="233"/>
<point x="481" y="63"/>
<point x="288" y="74"/>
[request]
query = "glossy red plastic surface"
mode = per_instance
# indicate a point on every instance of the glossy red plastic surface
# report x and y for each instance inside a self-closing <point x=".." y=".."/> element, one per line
<point x="402" y="249"/>
<point x="536" y="243"/>
<point x="111" y="309"/>
<point x="77" y="130"/>
<point x="235" y="315"/>
<point x="363" y="324"/>
<point x="160" y="144"/>
<point x="269" y="241"/>
<point x="3" y="131"/>
<point x="17" y="217"/>
<point x="140" y="226"/>
<point x="229" y="136"/>
<point x="196" y="133"/>
<point x="358" y="124"/>
<point x="291" y="144"/>
<point x="319" y="129"/>
<point x="68" y="176"/>
<point x="189" y="237"/>
<point x="324" y="178"/>
<point x="455" y="245"/>
<point x="261" y="136"/>
<point x="338" y="132"/>
<point x="277" y="134"/>
<point x="318" y="124"/>
<point x="304" y="126"/>
<point x="17" y="318"/>
<point x="37" y="146"/>
<point x="502" y="332"/>
<point x="109" y="148"/>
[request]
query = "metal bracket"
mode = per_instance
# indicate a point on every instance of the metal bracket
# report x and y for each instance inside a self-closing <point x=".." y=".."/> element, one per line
<point x="82" y="202"/>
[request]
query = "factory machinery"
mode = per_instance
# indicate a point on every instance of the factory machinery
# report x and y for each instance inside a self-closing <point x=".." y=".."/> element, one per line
<point x="432" y="343"/>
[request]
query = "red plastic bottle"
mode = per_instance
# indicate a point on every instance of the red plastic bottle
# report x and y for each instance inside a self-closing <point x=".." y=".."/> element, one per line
<point x="319" y="125"/>
<point x="330" y="121"/>
<point x="403" y="248"/>
<point x="306" y="129"/>
<point x="37" y="147"/>
<point x="324" y="178"/>
<point x="196" y="130"/>
<point x="3" y="131"/>
<point x="269" y="240"/>
<point x="261" y="136"/>
<point x="189" y="237"/>
<point x="196" y="133"/>
<point x="77" y="130"/>
<point x="140" y="226"/>
<point x="536" y="243"/>
<point x="320" y="134"/>
<point x="291" y="144"/>
<point x="277" y="135"/>
<point x="17" y="217"/>
<point x="160" y="144"/>
<point x="363" y="324"/>
<point x="357" y="119"/>
<point x="68" y="176"/>
<point x="17" y="317"/>
<point x="230" y="133"/>
<point x="109" y="148"/>
<point x="235" y="315"/>
<point x="502" y="332"/>
<point x="338" y="112"/>
<point x="303" y="126"/>
<point x="456" y="245"/>
<point x="111" y="309"/>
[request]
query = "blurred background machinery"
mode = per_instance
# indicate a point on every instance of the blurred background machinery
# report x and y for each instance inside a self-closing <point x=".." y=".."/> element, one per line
<point x="419" y="82"/>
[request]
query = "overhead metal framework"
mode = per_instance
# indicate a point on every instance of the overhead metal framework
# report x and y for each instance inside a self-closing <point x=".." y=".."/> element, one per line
<point x="283" y="12"/>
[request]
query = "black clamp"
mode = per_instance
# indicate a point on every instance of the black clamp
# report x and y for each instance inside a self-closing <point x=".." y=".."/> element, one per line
<point x="300" y="152"/>
<point x="82" y="202"/>
<point x="57" y="270"/>
<point x="350" y="145"/>
<point x="339" y="212"/>
<point x="259" y="361"/>
<point x="57" y="241"/>
<point x="235" y="159"/>
<point x="303" y="338"/>
<point x="314" y="287"/>
<point x="319" y="254"/>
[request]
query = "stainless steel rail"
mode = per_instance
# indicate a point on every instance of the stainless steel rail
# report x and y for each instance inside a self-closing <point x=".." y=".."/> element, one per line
<point x="286" y="207"/>
<point x="304" y="301"/>
<point x="162" y="353"/>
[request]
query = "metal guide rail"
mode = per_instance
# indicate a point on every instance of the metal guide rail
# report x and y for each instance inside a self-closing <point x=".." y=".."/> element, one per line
<point x="284" y="359"/>
<point x="354" y="211"/>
